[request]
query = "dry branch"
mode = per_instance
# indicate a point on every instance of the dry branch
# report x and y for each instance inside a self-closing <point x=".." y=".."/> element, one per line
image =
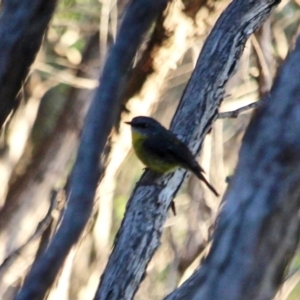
<point x="22" y="27"/>
<point x="258" y="227"/>
<point x="140" y="232"/>
<point x="262" y="44"/>
<point x="235" y="113"/>
<point x="41" y="227"/>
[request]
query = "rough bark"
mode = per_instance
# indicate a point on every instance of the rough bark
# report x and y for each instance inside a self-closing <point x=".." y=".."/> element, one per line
<point x="258" y="227"/>
<point x="99" y="121"/>
<point x="22" y="27"/>
<point x="140" y="232"/>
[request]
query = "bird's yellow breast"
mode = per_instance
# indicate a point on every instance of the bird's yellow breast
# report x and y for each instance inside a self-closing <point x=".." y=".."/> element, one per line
<point x="149" y="158"/>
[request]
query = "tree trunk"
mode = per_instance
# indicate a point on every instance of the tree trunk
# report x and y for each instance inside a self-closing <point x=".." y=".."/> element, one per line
<point x="22" y="27"/>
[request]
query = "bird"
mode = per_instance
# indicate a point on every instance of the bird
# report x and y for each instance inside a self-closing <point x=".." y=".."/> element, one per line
<point x="161" y="151"/>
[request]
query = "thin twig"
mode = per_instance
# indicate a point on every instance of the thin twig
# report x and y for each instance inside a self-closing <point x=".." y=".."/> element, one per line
<point x="172" y="279"/>
<point x="262" y="44"/>
<point x="41" y="227"/>
<point x="237" y="112"/>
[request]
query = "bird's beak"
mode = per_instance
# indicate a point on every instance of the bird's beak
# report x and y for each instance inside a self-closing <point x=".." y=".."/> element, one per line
<point x="129" y="123"/>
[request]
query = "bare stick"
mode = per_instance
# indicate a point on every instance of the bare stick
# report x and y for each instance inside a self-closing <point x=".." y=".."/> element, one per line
<point x="42" y="226"/>
<point x="237" y="112"/>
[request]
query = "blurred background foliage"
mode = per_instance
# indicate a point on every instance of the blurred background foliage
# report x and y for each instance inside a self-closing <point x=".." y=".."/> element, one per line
<point x="58" y="73"/>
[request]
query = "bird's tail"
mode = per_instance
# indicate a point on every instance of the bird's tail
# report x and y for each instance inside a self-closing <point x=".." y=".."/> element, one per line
<point x="199" y="173"/>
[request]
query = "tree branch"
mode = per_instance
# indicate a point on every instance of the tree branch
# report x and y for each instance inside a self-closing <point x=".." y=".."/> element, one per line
<point x="258" y="227"/>
<point x="41" y="227"/>
<point x="235" y="113"/>
<point x="140" y="232"/>
<point x="262" y="44"/>
<point x="22" y="27"/>
<point x="99" y="121"/>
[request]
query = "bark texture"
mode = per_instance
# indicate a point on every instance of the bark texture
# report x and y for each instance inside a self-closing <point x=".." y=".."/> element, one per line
<point x="140" y="232"/>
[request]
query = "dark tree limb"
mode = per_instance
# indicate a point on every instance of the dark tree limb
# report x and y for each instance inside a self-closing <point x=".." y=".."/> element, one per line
<point x="258" y="227"/>
<point x="140" y="232"/>
<point x="22" y="27"/>
<point x="99" y="121"/>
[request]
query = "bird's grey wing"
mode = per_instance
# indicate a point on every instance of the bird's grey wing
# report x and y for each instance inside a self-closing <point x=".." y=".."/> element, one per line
<point x="174" y="151"/>
<point x="171" y="149"/>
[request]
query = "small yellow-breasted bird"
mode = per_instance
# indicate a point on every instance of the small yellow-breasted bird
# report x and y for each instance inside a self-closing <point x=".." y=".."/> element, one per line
<point x="160" y="150"/>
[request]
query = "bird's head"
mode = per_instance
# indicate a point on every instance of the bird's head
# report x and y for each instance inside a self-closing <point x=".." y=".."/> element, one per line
<point x="145" y="126"/>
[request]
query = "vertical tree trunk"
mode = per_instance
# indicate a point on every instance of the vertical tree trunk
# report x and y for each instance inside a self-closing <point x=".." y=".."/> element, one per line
<point x="22" y="27"/>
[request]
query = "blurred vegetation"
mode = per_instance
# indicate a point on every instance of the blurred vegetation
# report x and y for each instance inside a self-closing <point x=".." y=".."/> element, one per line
<point x="45" y="95"/>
